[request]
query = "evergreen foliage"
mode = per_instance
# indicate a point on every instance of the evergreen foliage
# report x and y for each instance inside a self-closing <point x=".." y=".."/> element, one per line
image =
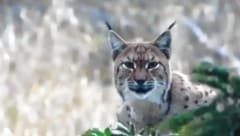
<point x="221" y="118"/>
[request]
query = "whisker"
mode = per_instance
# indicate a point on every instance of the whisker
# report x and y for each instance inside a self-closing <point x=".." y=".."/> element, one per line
<point x="160" y="82"/>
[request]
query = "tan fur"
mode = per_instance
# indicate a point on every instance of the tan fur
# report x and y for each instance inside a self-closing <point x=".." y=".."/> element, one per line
<point x="149" y="89"/>
<point x="185" y="97"/>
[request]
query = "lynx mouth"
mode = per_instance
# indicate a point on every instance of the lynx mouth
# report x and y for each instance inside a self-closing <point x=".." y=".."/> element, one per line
<point x="140" y="89"/>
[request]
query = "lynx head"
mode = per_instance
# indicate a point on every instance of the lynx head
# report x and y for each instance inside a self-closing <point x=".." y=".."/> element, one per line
<point x="141" y="69"/>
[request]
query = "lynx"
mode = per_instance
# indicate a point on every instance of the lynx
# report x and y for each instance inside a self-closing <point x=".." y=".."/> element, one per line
<point x="150" y="90"/>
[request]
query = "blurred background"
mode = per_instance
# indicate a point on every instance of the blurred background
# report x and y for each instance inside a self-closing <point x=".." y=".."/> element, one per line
<point x="55" y="63"/>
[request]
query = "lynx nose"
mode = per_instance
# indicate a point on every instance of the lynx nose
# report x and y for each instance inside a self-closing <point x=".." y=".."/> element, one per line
<point x="140" y="82"/>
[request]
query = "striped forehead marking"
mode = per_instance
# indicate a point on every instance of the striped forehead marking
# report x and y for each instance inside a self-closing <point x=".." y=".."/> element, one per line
<point x="140" y="55"/>
<point x="140" y="51"/>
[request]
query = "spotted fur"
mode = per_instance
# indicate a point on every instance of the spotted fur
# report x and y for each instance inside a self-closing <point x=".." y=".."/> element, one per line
<point x="149" y="89"/>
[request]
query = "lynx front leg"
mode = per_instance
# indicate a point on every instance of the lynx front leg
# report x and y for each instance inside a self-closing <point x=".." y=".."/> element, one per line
<point x="140" y="114"/>
<point x="124" y="116"/>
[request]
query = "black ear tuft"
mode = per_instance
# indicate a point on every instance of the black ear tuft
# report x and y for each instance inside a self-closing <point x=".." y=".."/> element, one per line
<point x="172" y="25"/>
<point x="108" y="25"/>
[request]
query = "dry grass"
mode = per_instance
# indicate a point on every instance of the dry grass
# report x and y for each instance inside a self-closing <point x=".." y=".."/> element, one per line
<point x="56" y="77"/>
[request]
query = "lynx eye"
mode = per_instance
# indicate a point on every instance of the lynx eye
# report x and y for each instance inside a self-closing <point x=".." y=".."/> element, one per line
<point x="128" y="65"/>
<point x="152" y="65"/>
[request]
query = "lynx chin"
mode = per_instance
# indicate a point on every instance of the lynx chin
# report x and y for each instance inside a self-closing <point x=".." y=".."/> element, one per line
<point x="150" y="90"/>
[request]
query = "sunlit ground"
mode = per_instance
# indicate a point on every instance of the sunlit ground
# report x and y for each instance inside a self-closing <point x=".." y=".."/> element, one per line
<point x="56" y="70"/>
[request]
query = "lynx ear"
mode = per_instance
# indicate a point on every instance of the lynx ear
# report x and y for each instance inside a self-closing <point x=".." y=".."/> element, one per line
<point x="117" y="43"/>
<point x="163" y="43"/>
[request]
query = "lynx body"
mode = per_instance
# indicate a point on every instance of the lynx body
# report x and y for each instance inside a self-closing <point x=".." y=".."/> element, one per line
<point x="149" y="89"/>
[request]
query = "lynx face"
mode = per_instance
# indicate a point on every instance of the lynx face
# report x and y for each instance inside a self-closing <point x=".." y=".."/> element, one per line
<point x="141" y="70"/>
